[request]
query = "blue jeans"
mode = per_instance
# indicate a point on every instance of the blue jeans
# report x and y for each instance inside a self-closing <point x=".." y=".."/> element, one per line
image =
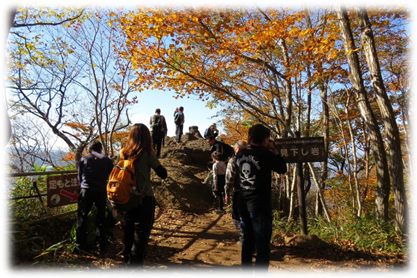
<point x="257" y="231"/>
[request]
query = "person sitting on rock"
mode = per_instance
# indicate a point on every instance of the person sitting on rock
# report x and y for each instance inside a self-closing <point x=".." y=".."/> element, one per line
<point x="211" y="132"/>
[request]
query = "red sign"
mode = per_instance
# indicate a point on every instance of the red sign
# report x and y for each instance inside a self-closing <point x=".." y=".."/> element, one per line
<point x="62" y="190"/>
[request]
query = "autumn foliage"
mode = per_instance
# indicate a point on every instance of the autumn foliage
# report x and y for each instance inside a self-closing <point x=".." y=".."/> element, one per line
<point x="285" y="68"/>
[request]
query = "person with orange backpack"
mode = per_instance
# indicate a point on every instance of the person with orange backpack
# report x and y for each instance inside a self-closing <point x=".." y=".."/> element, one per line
<point x="140" y="218"/>
<point x="93" y="171"/>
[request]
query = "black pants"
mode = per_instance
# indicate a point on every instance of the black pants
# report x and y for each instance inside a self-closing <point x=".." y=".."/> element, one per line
<point x="178" y="132"/>
<point x="220" y="190"/>
<point x="157" y="137"/>
<point x="86" y="199"/>
<point x="235" y="214"/>
<point x="139" y="222"/>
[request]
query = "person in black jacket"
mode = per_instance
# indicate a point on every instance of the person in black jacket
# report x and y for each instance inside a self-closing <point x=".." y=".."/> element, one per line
<point x="179" y="119"/>
<point x="158" y="130"/>
<point x="224" y="149"/>
<point x="93" y="172"/>
<point x="254" y="165"/>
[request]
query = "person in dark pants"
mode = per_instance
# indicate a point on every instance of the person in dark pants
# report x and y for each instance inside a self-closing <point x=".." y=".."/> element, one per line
<point x="219" y="172"/>
<point x="179" y="120"/>
<point x="255" y="164"/>
<point x="140" y="219"/>
<point x="93" y="172"/>
<point x="232" y="189"/>
<point x="158" y="130"/>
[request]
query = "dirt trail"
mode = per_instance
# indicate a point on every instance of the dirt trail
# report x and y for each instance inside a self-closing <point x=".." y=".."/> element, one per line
<point x="185" y="241"/>
<point x="195" y="240"/>
<point x="188" y="241"/>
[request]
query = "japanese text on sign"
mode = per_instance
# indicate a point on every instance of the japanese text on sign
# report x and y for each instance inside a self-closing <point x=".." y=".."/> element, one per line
<point x="66" y="182"/>
<point x="62" y="190"/>
<point x="301" y="149"/>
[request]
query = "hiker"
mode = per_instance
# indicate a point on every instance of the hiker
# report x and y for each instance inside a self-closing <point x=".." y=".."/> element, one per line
<point x="218" y="146"/>
<point x="158" y="130"/>
<point x="179" y="120"/>
<point x="93" y="172"/>
<point x="231" y="189"/>
<point x="211" y="131"/>
<point x="254" y="165"/>
<point x="139" y="220"/>
<point x="219" y="171"/>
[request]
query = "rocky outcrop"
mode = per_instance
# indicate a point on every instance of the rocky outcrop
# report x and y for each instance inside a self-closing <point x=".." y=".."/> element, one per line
<point x="186" y="165"/>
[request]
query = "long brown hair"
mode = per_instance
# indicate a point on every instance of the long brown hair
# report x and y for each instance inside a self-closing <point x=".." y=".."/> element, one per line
<point x="138" y="141"/>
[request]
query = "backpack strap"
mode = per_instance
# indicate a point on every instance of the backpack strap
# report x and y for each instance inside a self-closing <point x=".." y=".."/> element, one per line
<point x="121" y="157"/>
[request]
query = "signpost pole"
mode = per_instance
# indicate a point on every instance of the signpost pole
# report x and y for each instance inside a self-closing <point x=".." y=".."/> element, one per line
<point x="35" y="186"/>
<point x="301" y="197"/>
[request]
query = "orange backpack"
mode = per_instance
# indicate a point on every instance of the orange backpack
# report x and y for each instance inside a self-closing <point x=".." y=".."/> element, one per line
<point x="122" y="188"/>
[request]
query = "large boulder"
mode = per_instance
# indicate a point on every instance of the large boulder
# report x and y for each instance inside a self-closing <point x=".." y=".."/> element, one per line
<point x="186" y="165"/>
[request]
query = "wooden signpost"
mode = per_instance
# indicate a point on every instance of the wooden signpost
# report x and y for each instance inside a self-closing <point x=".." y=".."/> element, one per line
<point x="299" y="150"/>
<point x="308" y="149"/>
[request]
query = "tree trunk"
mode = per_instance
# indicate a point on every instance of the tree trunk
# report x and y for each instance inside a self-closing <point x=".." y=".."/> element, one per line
<point x="292" y="195"/>
<point x="319" y="193"/>
<point x="388" y="117"/>
<point x="325" y="123"/>
<point x="367" y="166"/>
<point x="288" y="89"/>
<point x="325" y="131"/>
<point x="383" y="181"/>
<point x="357" y="193"/>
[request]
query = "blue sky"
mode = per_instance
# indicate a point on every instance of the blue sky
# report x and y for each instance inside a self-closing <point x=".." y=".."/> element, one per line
<point x="195" y="110"/>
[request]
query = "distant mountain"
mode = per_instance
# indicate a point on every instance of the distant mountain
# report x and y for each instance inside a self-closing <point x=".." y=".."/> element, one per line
<point x="56" y="156"/>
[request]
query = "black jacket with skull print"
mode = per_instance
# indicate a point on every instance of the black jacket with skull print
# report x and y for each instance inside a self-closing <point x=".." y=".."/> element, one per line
<point x="254" y="165"/>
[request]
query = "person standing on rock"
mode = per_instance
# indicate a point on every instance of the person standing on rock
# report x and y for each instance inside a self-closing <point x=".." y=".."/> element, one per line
<point x="139" y="220"/>
<point x="158" y="130"/>
<point x="179" y="120"/>
<point x="254" y="165"/>
<point x="232" y="187"/>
